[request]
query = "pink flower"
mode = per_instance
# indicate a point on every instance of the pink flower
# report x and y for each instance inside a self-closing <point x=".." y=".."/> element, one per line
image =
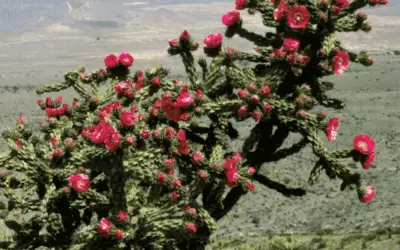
<point x="140" y="80"/>
<point x="340" y="62"/>
<point x="364" y="144"/>
<point x="112" y="141"/>
<point x="169" y="133"/>
<point x="169" y="162"/>
<point x="161" y="177"/>
<point x="104" y="228"/>
<point x="122" y="86"/>
<point x="75" y="103"/>
<point x="203" y="174"/>
<point x="123" y="216"/>
<point x="100" y="132"/>
<point x="242" y="93"/>
<point x="240" y="4"/>
<point x="229" y="163"/>
<point x="18" y="144"/>
<point x="58" y="153"/>
<point x="128" y="94"/>
<point x="290" y="45"/>
<point x="280" y="12"/>
<point x="183" y="147"/>
<point x="342" y="3"/>
<point x="127" y="119"/>
<point x="252" y="86"/>
<point x="155" y="81"/>
<point x="265" y="91"/>
<point x="237" y="156"/>
<point x="250" y="186"/>
<point x="184" y="99"/>
<point x="298" y="17"/>
<point x="331" y="128"/>
<point x="242" y="112"/>
<point x="197" y="157"/>
<point x="185" y="35"/>
<point x="66" y="107"/>
<point x="231" y="18"/>
<point x="174" y="42"/>
<point x="303" y="59"/>
<point x="126" y="59"/>
<point x="119" y="235"/>
<point x="172" y="110"/>
<point x="79" y="182"/>
<point x="175" y="196"/>
<point x="255" y="99"/>
<point x="21" y="119"/>
<point x="145" y="133"/>
<point x="111" y="61"/>
<point x="177" y="183"/>
<point x="256" y="116"/>
<point x="190" y="210"/>
<point x="199" y="94"/>
<point x="366" y="194"/>
<point x="279" y="52"/>
<point x="191" y="227"/>
<point x="231" y="177"/>
<point x="231" y="172"/>
<point x="251" y="170"/>
<point x="69" y="143"/>
<point x="213" y="41"/>
<point x="369" y="159"/>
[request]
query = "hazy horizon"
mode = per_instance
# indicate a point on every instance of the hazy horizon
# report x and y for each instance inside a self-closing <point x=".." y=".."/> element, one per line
<point x="45" y="35"/>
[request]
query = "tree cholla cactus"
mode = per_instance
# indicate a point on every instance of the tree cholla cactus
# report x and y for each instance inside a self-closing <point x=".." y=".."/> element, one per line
<point x="148" y="163"/>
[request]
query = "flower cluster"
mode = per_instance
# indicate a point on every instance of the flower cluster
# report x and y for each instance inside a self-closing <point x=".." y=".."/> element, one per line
<point x="364" y="151"/>
<point x="178" y="109"/>
<point x="106" y="228"/>
<point x="112" y="61"/>
<point x="55" y="107"/>
<point x="256" y="100"/>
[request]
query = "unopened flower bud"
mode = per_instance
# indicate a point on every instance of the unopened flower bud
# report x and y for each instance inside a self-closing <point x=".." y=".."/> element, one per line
<point x="255" y="99"/>
<point x="252" y="86"/>
<point x="69" y="143"/>
<point x="242" y="93"/>
<point x="191" y="227"/>
<point x="192" y="211"/>
<point x="251" y="170"/>
<point x="242" y="112"/>
<point x="155" y="81"/>
<point x="203" y="174"/>
<point x="58" y="153"/>
<point x="161" y="177"/>
<point x="361" y="16"/>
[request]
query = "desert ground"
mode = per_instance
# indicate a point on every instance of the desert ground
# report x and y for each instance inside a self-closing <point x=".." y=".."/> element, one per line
<point x="40" y="51"/>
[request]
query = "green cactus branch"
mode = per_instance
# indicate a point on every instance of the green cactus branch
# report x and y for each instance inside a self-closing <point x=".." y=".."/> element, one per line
<point x="149" y="164"/>
<point x="258" y="40"/>
<point x="190" y="67"/>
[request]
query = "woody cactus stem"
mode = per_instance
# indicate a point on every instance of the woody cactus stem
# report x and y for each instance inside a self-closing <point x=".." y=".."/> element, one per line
<point x="117" y="183"/>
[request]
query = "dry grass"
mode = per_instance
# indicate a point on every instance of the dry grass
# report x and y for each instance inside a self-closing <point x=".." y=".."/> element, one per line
<point x="374" y="241"/>
<point x="328" y="241"/>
